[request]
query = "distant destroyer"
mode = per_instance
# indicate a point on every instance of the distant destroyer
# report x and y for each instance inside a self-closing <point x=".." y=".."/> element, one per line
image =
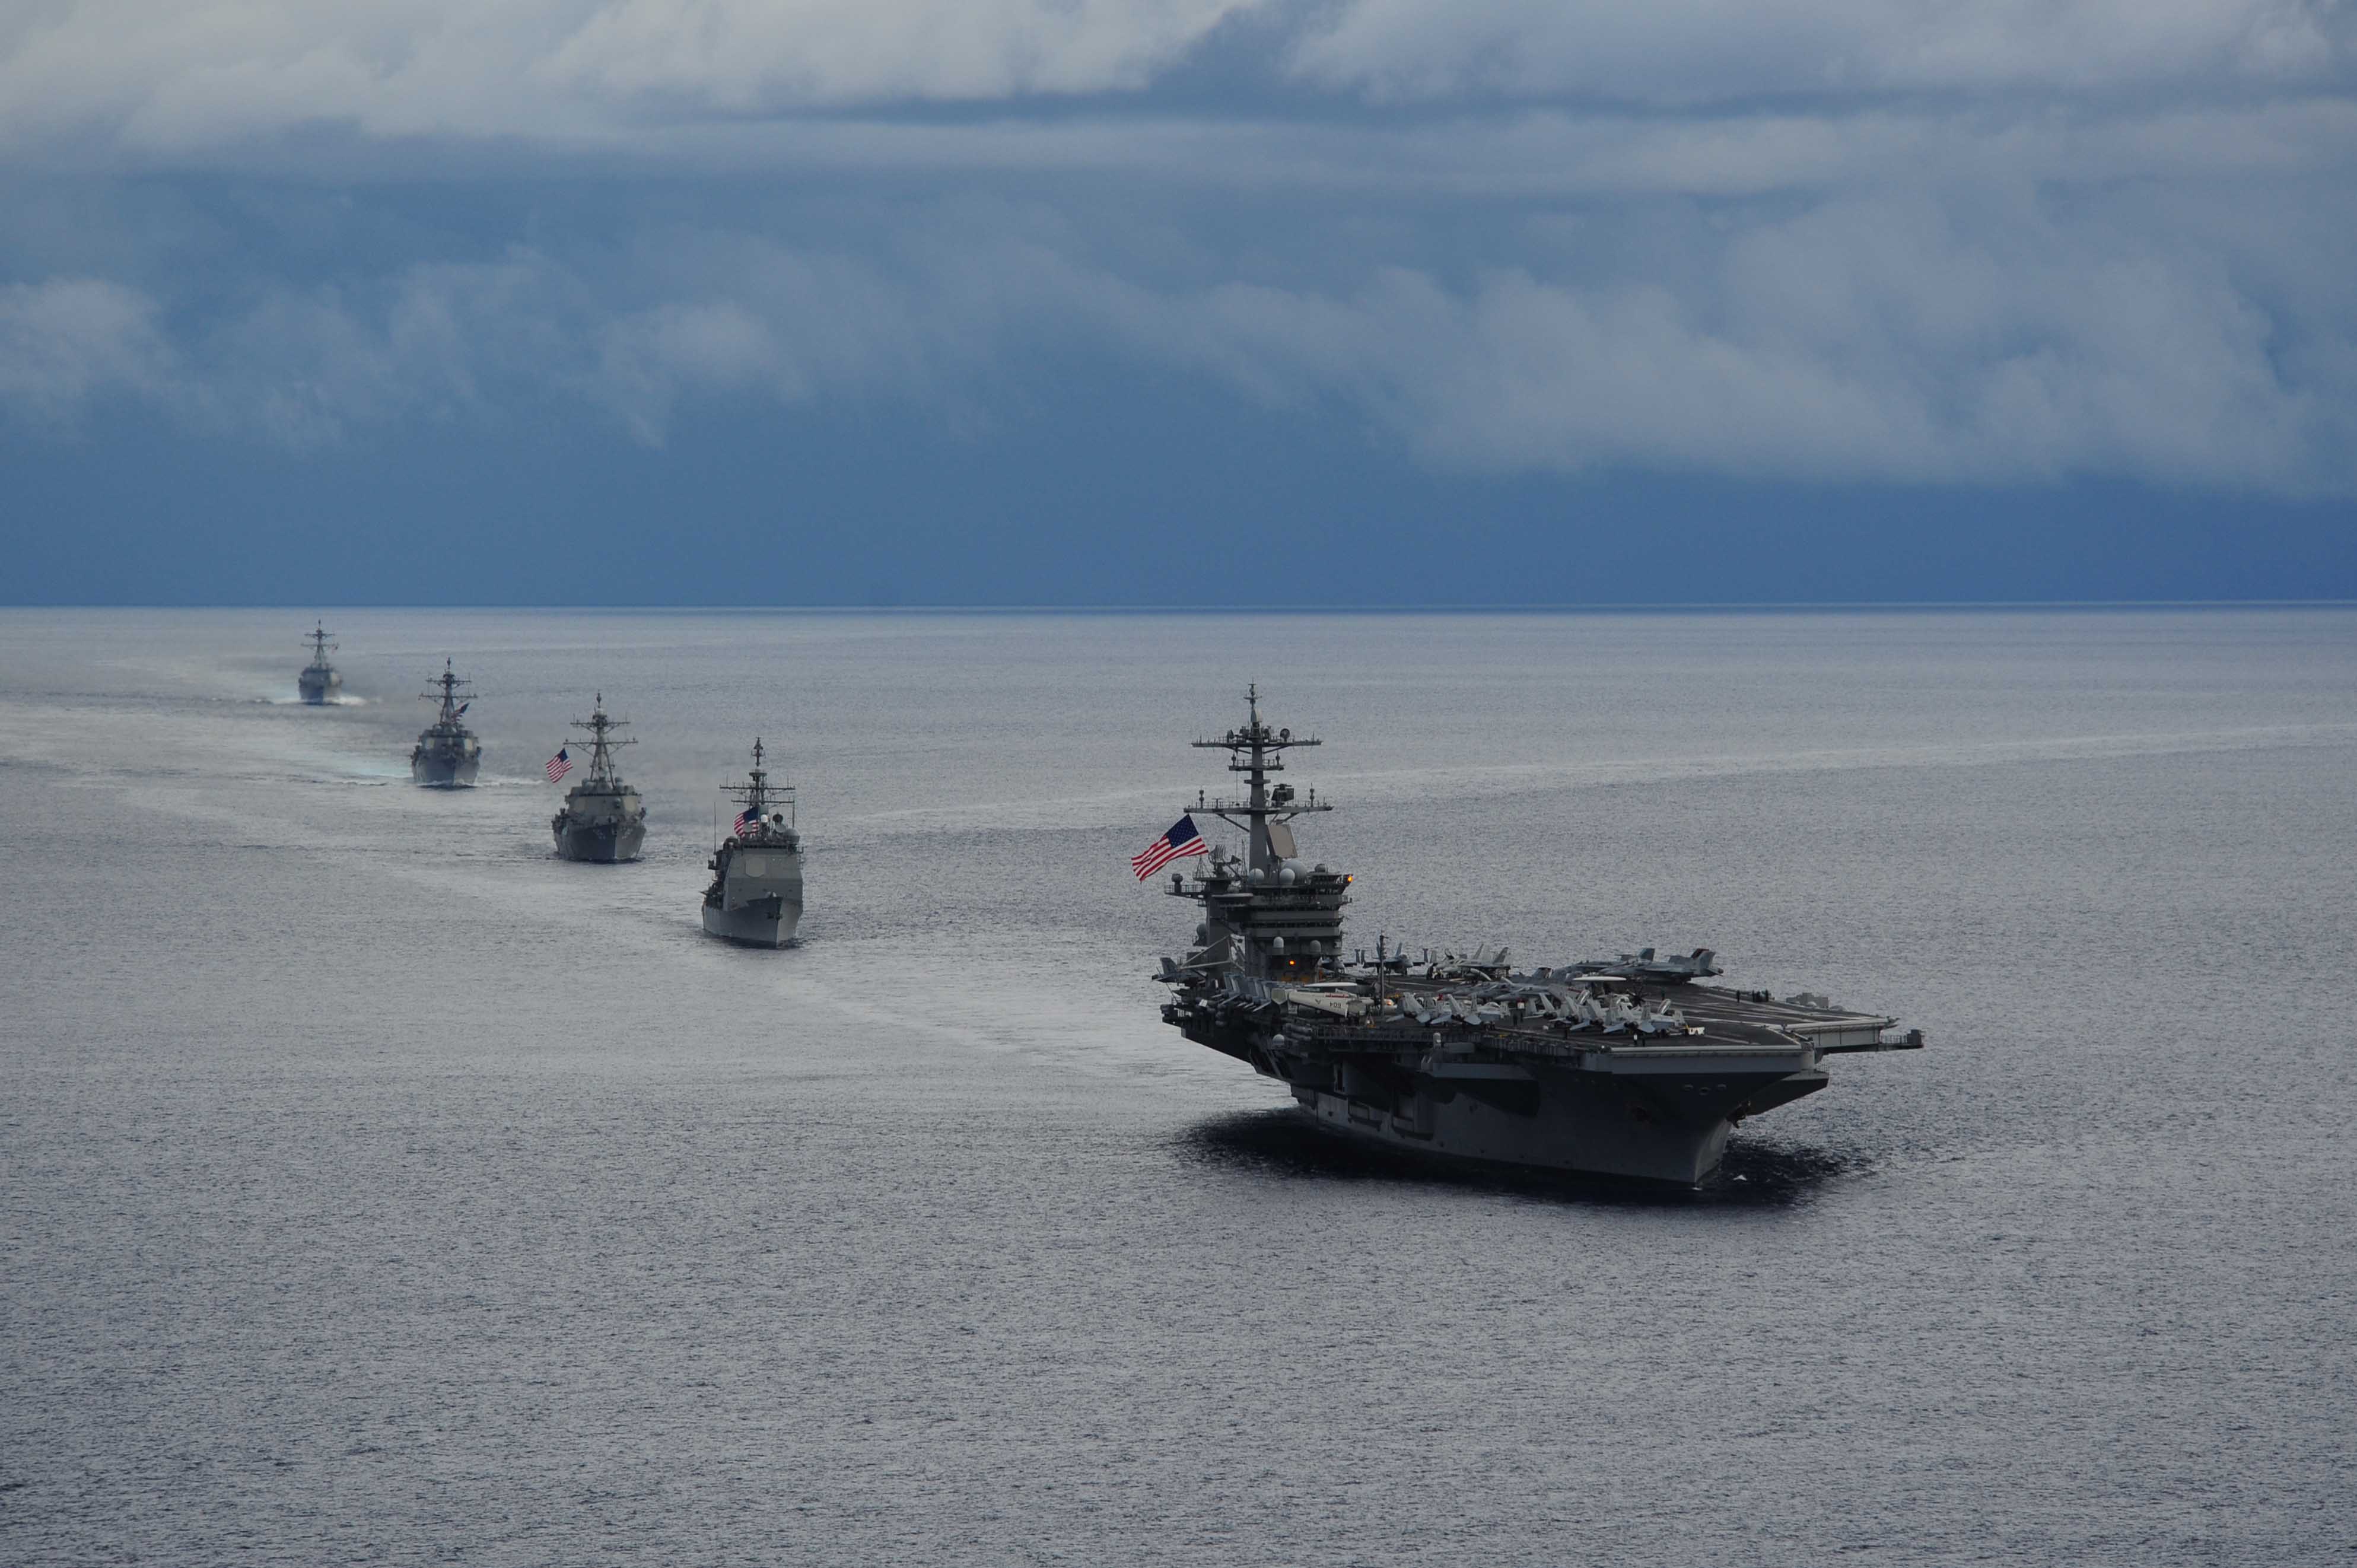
<point x="1626" y="1070"/>
<point x="602" y="819"/>
<point x="755" y="897"/>
<point x="448" y="755"/>
<point x="320" y="682"/>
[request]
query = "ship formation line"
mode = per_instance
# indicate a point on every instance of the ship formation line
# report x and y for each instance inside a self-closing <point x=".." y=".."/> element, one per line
<point x="1630" y="1068"/>
<point x="755" y="899"/>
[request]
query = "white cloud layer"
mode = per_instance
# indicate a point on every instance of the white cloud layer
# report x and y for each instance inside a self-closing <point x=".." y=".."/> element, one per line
<point x="180" y="78"/>
<point x="1686" y="52"/>
<point x="1986" y="241"/>
<point x="156" y="78"/>
<point x="65" y="342"/>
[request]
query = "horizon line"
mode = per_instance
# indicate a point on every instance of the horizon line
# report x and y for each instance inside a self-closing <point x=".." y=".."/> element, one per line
<point x="1662" y="606"/>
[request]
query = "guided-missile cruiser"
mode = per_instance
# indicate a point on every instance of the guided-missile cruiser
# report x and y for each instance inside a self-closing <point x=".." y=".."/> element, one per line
<point x="602" y="817"/>
<point x="447" y="755"/>
<point x="320" y="682"/>
<point x="1628" y="1068"/>
<point x="755" y="897"/>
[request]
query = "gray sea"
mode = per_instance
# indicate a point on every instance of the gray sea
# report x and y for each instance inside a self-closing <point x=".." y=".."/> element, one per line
<point x="376" y="1189"/>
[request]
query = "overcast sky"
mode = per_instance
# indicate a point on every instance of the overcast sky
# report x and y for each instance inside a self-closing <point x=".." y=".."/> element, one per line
<point x="1190" y="301"/>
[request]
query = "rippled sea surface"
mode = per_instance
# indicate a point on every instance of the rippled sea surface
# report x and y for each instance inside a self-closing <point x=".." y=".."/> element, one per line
<point x="380" y="1189"/>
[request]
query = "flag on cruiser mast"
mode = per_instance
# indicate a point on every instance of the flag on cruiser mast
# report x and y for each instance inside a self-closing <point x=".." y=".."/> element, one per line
<point x="1180" y="842"/>
<point x="560" y="765"/>
<point x="747" y="818"/>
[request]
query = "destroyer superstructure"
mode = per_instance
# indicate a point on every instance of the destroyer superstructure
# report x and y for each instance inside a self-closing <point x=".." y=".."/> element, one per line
<point x="1626" y="1069"/>
<point x="602" y="817"/>
<point x="320" y="680"/>
<point x="448" y="755"/>
<point x="755" y="897"/>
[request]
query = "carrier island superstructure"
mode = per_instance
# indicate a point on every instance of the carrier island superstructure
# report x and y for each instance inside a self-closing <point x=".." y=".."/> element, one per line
<point x="1632" y="1068"/>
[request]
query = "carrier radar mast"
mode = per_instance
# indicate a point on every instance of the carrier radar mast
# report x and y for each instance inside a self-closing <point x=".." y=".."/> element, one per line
<point x="1266" y="811"/>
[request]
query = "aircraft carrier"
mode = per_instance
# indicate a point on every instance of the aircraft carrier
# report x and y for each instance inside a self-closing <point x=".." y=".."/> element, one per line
<point x="755" y="896"/>
<point x="446" y="755"/>
<point x="602" y="819"/>
<point x="1630" y="1068"/>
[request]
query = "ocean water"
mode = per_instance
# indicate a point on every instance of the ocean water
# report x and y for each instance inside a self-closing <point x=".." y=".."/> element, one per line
<point x="375" y="1188"/>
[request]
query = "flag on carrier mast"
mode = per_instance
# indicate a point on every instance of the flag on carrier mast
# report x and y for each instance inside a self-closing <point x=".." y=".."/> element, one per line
<point x="1181" y="841"/>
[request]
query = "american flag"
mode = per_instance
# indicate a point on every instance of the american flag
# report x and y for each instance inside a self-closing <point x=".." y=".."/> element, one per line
<point x="560" y="765"/>
<point x="748" y="819"/>
<point x="1180" y="842"/>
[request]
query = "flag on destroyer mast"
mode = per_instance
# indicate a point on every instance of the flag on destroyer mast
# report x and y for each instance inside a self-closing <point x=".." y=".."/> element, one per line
<point x="560" y="765"/>
<point x="1180" y="842"/>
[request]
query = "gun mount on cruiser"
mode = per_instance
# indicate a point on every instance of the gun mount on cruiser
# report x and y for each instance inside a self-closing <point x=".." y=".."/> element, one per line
<point x="1627" y="1068"/>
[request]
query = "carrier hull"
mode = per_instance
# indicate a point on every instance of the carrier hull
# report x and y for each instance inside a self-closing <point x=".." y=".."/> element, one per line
<point x="1683" y="1164"/>
<point x="604" y="844"/>
<point x="1630" y="1113"/>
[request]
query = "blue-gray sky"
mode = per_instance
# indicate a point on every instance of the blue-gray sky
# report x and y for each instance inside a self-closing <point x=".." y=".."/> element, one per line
<point x="1188" y="301"/>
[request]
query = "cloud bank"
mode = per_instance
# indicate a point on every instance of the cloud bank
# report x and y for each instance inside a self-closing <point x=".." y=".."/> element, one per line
<point x="211" y="71"/>
<point x="1837" y="241"/>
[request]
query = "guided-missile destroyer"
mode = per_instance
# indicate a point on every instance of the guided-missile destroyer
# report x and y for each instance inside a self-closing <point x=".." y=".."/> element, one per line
<point x="1628" y="1068"/>
<point x="602" y="819"/>
<point x="448" y="755"/>
<point x="755" y="897"/>
<point x="320" y="682"/>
